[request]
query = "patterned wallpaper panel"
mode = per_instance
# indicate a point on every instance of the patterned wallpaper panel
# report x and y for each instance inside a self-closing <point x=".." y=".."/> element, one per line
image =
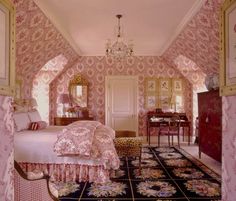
<point x="191" y="71"/>
<point x="6" y="149"/>
<point x="199" y="40"/>
<point x="37" y="42"/>
<point x="94" y="69"/>
<point x="43" y="78"/>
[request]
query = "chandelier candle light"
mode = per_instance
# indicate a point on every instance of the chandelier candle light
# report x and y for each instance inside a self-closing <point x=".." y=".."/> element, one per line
<point x="119" y="49"/>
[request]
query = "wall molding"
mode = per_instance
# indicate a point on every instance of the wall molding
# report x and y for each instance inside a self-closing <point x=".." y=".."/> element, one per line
<point x="190" y="14"/>
<point x="53" y="19"/>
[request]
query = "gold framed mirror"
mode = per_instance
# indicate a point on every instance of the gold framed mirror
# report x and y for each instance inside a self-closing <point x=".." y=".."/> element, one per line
<point x="18" y="89"/>
<point x="78" y="90"/>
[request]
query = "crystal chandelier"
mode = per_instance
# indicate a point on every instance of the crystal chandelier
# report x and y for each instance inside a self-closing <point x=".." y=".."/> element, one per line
<point x="119" y="49"/>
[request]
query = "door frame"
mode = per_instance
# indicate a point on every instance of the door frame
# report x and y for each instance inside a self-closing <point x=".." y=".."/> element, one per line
<point x="107" y="106"/>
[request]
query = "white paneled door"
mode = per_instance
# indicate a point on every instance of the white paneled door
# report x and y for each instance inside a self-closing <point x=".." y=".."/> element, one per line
<point x="121" y="102"/>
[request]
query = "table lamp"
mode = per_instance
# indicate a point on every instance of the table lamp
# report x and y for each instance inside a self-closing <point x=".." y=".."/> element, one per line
<point x="63" y="99"/>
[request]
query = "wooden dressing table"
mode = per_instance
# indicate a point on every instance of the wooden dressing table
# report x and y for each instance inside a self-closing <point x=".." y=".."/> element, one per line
<point x="63" y="121"/>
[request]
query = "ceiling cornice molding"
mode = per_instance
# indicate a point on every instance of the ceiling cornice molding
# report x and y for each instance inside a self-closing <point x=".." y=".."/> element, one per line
<point x="190" y="14"/>
<point x="44" y="8"/>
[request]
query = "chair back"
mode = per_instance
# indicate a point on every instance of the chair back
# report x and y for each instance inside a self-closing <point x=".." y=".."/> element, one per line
<point x="175" y="122"/>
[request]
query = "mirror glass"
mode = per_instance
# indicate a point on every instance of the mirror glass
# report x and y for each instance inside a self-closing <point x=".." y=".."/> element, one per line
<point x="78" y="89"/>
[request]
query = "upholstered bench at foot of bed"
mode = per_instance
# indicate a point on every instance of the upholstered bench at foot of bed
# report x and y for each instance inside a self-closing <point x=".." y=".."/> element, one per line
<point x="129" y="147"/>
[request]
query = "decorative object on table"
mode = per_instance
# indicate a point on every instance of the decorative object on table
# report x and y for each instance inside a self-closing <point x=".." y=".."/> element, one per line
<point x="71" y="112"/>
<point x="228" y="49"/>
<point x="119" y="49"/>
<point x="63" y="99"/>
<point x="212" y="82"/>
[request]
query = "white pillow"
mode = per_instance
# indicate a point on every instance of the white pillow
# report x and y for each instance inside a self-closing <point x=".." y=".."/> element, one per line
<point x="34" y="116"/>
<point x="21" y="120"/>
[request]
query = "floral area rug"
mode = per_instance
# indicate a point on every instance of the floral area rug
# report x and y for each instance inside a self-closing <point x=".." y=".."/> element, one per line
<point x="167" y="174"/>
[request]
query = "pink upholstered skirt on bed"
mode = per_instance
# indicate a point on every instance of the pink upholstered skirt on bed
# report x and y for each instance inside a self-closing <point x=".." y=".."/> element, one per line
<point x="70" y="172"/>
<point x="34" y="151"/>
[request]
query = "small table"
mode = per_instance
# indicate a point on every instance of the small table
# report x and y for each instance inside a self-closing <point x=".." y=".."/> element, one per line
<point x="184" y="124"/>
<point x="63" y="121"/>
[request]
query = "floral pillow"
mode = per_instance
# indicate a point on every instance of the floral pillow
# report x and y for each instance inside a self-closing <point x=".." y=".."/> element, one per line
<point x="37" y="125"/>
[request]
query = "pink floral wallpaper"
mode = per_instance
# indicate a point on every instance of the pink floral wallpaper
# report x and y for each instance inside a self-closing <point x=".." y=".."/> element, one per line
<point x="94" y="69"/>
<point x="199" y="40"/>
<point x="191" y="71"/>
<point x="6" y="149"/>
<point x="229" y="149"/>
<point x="43" y="78"/>
<point x="37" y="42"/>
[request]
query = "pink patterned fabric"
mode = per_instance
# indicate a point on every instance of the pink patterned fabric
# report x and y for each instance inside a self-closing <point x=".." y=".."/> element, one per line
<point x="6" y="149"/>
<point x="104" y="149"/>
<point x="89" y="139"/>
<point x="25" y="190"/>
<point x="76" y="138"/>
<point x="70" y="172"/>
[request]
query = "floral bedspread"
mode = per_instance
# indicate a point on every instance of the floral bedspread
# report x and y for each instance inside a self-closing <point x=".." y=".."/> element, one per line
<point x="88" y="139"/>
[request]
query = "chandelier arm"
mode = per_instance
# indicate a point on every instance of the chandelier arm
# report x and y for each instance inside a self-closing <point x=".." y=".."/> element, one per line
<point x="119" y="16"/>
<point x="119" y="49"/>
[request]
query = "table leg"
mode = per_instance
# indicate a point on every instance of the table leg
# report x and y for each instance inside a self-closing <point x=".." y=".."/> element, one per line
<point x="188" y="135"/>
<point x="148" y="134"/>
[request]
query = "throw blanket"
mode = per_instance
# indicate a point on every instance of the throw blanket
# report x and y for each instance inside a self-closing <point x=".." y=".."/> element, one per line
<point x="89" y="139"/>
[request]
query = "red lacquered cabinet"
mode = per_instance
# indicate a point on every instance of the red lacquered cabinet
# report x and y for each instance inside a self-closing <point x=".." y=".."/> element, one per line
<point x="210" y="124"/>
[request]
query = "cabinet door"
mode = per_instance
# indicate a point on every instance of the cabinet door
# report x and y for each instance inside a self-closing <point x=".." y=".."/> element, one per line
<point x="210" y="129"/>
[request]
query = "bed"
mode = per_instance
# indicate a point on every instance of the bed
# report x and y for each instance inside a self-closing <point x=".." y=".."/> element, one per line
<point x="36" y="150"/>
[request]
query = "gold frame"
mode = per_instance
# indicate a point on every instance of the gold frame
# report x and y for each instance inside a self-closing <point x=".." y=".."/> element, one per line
<point x="78" y="80"/>
<point x="18" y="89"/>
<point x="151" y="90"/>
<point x="226" y="89"/>
<point x="7" y="82"/>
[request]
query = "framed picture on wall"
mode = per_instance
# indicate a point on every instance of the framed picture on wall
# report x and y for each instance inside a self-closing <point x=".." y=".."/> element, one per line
<point x="151" y="85"/>
<point x="177" y="85"/>
<point x="151" y="102"/>
<point x="7" y="50"/>
<point x="165" y="102"/>
<point x="228" y="49"/>
<point x="164" y="85"/>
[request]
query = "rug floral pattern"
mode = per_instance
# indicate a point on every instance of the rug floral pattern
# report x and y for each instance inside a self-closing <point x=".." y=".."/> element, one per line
<point x="167" y="173"/>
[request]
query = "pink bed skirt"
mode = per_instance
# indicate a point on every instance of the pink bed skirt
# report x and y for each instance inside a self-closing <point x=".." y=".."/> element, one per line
<point x="70" y="172"/>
